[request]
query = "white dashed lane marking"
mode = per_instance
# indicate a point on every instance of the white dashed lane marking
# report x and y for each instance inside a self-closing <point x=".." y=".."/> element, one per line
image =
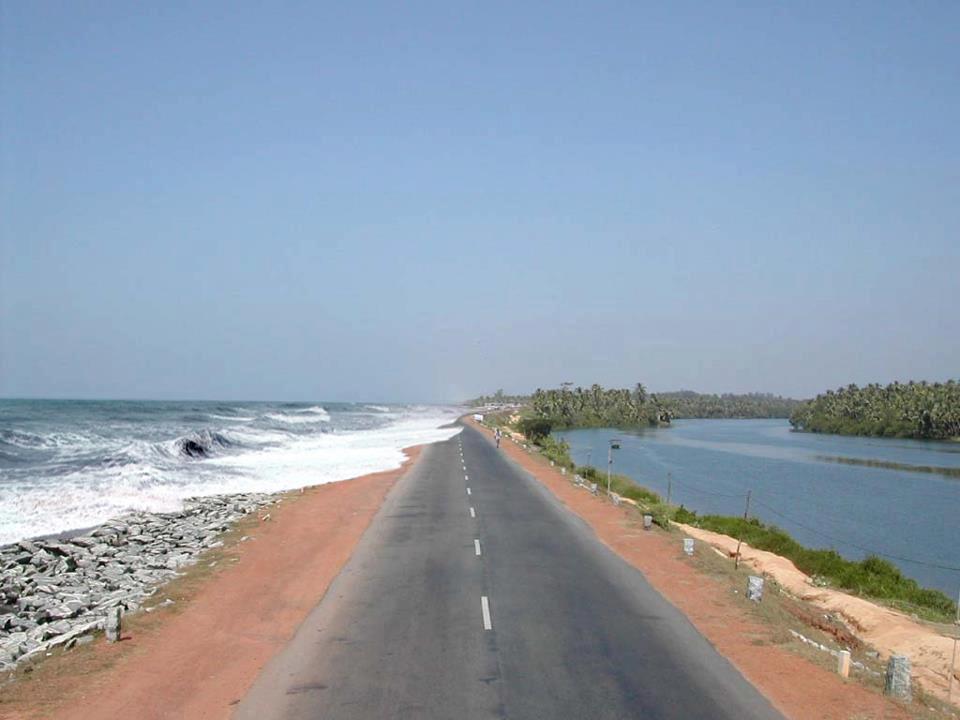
<point x="472" y="513"/>
<point x="476" y="547"/>
<point x="485" y="609"/>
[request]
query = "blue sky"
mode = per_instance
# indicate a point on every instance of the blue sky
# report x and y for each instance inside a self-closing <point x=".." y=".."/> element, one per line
<point x="423" y="201"/>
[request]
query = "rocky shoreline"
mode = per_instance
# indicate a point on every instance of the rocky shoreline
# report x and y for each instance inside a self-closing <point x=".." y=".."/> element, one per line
<point x="57" y="591"/>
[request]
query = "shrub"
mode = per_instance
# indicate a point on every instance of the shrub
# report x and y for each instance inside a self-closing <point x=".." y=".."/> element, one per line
<point x="682" y="515"/>
<point x="535" y="428"/>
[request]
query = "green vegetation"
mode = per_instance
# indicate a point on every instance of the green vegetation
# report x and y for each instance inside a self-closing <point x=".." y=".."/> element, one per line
<point x="688" y="404"/>
<point x="872" y="577"/>
<point x="598" y="407"/>
<point x="914" y="410"/>
<point x="498" y="398"/>
<point x="535" y="428"/>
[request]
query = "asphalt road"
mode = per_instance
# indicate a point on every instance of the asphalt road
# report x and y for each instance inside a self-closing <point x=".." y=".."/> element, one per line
<point x="467" y="542"/>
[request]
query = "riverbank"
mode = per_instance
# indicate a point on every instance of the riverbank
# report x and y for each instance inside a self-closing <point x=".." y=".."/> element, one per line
<point x="209" y="631"/>
<point x="755" y="638"/>
<point x="876" y="502"/>
<point x="889" y="632"/>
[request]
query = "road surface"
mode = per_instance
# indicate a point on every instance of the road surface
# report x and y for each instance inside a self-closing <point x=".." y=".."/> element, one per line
<point x="475" y="594"/>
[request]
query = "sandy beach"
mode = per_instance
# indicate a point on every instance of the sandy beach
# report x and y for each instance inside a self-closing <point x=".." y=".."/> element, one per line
<point x="198" y="656"/>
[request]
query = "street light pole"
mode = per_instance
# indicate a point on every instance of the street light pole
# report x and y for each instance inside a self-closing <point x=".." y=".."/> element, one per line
<point x="614" y="445"/>
<point x="609" y="464"/>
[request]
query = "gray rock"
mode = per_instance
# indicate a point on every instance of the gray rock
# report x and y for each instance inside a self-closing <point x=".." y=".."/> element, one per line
<point x="83" y="541"/>
<point x="27" y="602"/>
<point x="63" y="612"/>
<point x="55" y="548"/>
<point x="41" y="558"/>
<point x="102" y="549"/>
<point x="897" y="680"/>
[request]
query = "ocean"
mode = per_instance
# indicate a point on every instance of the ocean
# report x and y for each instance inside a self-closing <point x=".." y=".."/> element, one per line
<point x="71" y="464"/>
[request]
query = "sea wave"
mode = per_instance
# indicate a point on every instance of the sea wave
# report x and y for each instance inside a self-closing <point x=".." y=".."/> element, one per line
<point x="300" y="417"/>
<point x="128" y="473"/>
<point x="33" y="441"/>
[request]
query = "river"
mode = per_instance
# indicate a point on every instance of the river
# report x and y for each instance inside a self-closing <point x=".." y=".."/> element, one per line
<point x="897" y="498"/>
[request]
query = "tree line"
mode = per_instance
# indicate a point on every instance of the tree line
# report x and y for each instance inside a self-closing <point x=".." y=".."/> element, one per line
<point x="911" y="410"/>
<point x="498" y="398"/>
<point x="689" y="404"/>
<point x="569" y="407"/>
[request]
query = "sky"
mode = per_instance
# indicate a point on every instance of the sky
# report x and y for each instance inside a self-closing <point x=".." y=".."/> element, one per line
<point x="420" y="202"/>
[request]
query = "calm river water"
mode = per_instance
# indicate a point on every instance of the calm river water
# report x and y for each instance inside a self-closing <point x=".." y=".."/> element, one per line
<point x="826" y="490"/>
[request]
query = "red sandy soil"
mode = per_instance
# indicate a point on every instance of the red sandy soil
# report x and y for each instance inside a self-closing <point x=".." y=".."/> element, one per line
<point x="796" y="687"/>
<point x="200" y="662"/>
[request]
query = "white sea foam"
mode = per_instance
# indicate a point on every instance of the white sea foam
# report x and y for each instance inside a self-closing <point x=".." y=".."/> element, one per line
<point x="300" y="417"/>
<point x="155" y="477"/>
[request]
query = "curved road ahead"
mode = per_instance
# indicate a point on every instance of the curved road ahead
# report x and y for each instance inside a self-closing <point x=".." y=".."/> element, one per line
<point x="475" y="594"/>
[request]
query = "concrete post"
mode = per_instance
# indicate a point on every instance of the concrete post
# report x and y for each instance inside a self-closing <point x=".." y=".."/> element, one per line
<point x="843" y="663"/>
<point x="755" y="588"/>
<point x="688" y="546"/>
<point x="647" y="522"/>
<point x="112" y="624"/>
<point x="897" y="682"/>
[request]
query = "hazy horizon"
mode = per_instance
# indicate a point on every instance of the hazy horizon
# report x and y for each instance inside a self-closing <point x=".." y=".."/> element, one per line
<point x="427" y="203"/>
<point x="388" y="401"/>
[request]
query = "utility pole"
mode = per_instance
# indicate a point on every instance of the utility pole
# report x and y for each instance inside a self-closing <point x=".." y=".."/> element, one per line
<point x="746" y="512"/>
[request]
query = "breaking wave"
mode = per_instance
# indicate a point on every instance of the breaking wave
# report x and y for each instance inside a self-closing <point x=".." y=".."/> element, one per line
<point x="81" y="466"/>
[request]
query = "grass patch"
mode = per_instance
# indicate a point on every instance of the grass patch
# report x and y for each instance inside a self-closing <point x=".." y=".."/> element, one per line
<point x="872" y="577"/>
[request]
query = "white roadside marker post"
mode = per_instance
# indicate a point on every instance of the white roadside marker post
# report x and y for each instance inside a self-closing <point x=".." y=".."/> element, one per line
<point x="112" y="625"/>
<point x="843" y="663"/>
